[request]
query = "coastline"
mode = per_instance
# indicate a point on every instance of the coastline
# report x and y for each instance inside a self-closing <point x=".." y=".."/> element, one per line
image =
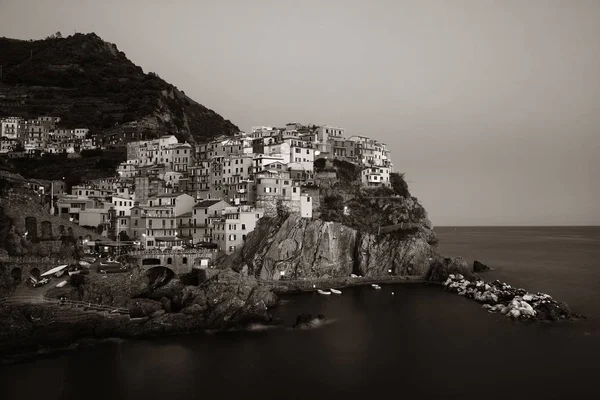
<point x="312" y="285"/>
<point x="51" y="337"/>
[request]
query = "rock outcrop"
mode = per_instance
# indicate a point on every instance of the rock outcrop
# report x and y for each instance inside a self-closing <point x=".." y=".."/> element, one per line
<point x="480" y="267"/>
<point x="297" y="248"/>
<point x="227" y="300"/>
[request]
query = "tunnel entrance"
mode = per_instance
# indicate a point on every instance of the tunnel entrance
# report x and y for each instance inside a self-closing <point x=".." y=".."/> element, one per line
<point x="16" y="275"/>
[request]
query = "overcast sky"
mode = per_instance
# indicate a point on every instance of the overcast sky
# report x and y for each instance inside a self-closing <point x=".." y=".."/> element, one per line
<point x="491" y="108"/>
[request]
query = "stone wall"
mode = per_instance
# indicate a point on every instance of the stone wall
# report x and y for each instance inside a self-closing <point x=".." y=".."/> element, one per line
<point x="270" y="203"/>
<point x="28" y="216"/>
<point x="14" y="271"/>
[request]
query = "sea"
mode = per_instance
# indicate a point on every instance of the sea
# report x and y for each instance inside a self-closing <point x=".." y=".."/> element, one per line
<point x="404" y="341"/>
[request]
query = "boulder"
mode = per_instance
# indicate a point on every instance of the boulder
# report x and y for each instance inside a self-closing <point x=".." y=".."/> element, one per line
<point x="480" y="267"/>
<point x="193" y="309"/>
<point x="143" y="307"/>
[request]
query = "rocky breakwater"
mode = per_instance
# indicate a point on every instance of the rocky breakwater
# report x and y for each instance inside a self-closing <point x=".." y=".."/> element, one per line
<point x="513" y="302"/>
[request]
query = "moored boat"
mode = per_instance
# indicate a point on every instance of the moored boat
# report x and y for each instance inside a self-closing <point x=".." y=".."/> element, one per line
<point x="325" y="292"/>
<point x="335" y="291"/>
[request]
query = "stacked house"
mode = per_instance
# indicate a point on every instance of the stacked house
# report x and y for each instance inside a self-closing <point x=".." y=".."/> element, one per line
<point x="169" y="194"/>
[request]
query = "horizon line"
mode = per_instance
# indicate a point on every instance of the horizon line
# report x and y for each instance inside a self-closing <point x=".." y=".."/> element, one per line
<point x="515" y="226"/>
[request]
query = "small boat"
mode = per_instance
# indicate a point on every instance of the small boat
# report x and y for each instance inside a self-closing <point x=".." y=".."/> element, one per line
<point x="63" y="283"/>
<point x="353" y="276"/>
<point x="375" y="286"/>
<point x="84" y="263"/>
<point x="326" y="292"/>
<point x="76" y="272"/>
<point x="335" y="291"/>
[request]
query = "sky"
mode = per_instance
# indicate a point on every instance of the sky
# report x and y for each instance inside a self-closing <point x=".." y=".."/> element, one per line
<point x="491" y="108"/>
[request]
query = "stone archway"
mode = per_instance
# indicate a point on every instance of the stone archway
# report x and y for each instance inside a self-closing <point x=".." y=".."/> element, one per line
<point x="31" y="227"/>
<point x="35" y="272"/>
<point x="16" y="275"/>
<point x="46" y="230"/>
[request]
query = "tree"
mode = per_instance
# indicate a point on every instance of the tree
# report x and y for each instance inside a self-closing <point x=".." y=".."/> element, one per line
<point x="18" y="148"/>
<point x="399" y="184"/>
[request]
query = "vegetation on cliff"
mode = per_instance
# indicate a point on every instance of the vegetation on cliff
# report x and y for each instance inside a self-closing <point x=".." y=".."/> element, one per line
<point x="90" y="83"/>
<point x="92" y="164"/>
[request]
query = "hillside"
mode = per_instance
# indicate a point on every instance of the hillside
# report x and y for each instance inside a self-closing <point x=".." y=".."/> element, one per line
<point x="90" y="83"/>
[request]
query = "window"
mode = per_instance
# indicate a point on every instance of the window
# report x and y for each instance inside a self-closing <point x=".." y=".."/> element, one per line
<point x="169" y="261"/>
<point x="231" y="237"/>
<point x="298" y="150"/>
<point x="184" y="260"/>
<point x="243" y="227"/>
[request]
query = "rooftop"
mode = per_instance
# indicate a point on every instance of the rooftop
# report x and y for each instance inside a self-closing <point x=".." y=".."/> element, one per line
<point x="207" y="203"/>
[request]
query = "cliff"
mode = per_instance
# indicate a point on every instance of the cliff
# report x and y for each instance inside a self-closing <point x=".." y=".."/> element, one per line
<point x="295" y="248"/>
<point x="90" y="83"/>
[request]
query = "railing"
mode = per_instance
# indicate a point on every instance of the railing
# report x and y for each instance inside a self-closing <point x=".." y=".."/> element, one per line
<point x="155" y="252"/>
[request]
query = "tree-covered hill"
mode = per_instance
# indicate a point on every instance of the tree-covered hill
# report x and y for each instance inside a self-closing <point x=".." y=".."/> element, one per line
<point x="90" y="83"/>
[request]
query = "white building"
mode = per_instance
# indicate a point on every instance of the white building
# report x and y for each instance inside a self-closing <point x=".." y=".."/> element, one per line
<point x="376" y="176"/>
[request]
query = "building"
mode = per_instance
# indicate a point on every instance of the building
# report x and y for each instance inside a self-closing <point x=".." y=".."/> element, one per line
<point x="203" y="215"/>
<point x="376" y="176"/>
<point x="231" y="230"/>
<point x="10" y="127"/>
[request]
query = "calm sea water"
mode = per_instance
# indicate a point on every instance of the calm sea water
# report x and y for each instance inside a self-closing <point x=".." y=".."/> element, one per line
<point x="419" y="341"/>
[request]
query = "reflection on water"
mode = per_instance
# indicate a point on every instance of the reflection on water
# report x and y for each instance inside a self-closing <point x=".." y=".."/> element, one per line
<point x="421" y="340"/>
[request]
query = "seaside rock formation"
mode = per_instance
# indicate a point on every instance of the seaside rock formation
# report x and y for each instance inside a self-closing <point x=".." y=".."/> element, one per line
<point x="305" y="321"/>
<point x="512" y="302"/>
<point x="480" y="267"/>
<point x="297" y="248"/>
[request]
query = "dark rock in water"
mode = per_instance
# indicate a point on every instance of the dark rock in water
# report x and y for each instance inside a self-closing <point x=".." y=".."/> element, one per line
<point x="303" y="319"/>
<point x="441" y="269"/>
<point x="480" y="267"/>
<point x="307" y="320"/>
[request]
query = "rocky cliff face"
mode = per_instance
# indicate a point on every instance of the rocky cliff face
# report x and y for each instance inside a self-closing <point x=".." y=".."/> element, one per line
<point x="298" y="248"/>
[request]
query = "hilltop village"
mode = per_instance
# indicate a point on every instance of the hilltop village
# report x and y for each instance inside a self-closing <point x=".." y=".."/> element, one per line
<point x="172" y="195"/>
